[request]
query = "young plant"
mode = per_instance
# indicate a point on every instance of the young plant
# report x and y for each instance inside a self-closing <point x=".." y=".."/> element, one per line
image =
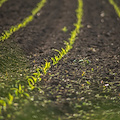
<point x="54" y="61"/>
<point x="37" y="75"/>
<point x="61" y="53"/>
<point x="31" y="83"/>
<point x="32" y="80"/>
<point x="59" y="56"/>
<point x="10" y="99"/>
<point x="79" y="13"/>
<point x="68" y="46"/>
<point x="19" y="90"/>
<point x="45" y="67"/>
<point x="65" y="29"/>
<point x="117" y="9"/>
<point x="39" y="7"/>
<point x="2" y="1"/>
<point x="2" y="105"/>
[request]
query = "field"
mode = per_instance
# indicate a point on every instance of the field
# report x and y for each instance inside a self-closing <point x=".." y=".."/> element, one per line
<point x="59" y="60"/>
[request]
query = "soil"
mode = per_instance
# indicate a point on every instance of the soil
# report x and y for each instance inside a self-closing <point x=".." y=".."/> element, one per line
<point x="97" y="44"/>
<point x="48" y="35"/>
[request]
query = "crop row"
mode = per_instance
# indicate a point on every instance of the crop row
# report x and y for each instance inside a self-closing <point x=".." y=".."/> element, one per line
<point x="69" y="44"/>
<point x="17" y="90"/>
<point x="117" y="9"/>
<point x="7" y="33"/>
<point x="2" y="1"/>
<point x="20" y="91"/>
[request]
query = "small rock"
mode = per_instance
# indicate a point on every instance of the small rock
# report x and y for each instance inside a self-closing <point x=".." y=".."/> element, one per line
<point x="88" y="26"/>
<point x="102" y="14"/>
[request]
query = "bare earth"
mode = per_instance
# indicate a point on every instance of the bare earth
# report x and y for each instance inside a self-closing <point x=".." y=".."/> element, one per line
<point x="95" y="56"/>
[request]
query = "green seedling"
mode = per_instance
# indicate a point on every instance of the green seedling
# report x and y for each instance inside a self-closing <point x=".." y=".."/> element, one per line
<point x="117" y="9"/>
<point x="2" y="1"/>
<point x="61" y="53"/>
<point x="77" y="27"/>
<point x="54" y="61"/>
<point x="31" y="84"/>
<point x="32" y="78"/>
<point x="59" y="56"/>
<point x="79" y="14"/>
<point x="88" y="82"/>
<point x="37" y="74"/>
<point x="39" y="7"/>
<point x="45" y="67"/>
<point x="10" y="99"/>
<point x="65" y="29"/>
<point x="19" y="90"/>
<point x="2" y="105"/>
<point x="68" y="47"/>
<point x="73" y="36"/>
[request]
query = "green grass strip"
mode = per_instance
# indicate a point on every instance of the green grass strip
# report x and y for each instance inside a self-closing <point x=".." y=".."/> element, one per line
<point x="7" y="33"/>
<point x="2" y="1"/>
<point x="117" y="9"/>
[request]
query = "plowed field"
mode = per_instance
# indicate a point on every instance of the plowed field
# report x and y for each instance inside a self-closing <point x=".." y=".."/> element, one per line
<point x="60" y="60"/>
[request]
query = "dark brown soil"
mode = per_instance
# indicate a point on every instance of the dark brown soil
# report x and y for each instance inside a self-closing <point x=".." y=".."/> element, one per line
<point x="100" y="27"/>
<point x="13" y="12"/>
<point x="98" y="43"/>
<point x="45" y="32"/>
